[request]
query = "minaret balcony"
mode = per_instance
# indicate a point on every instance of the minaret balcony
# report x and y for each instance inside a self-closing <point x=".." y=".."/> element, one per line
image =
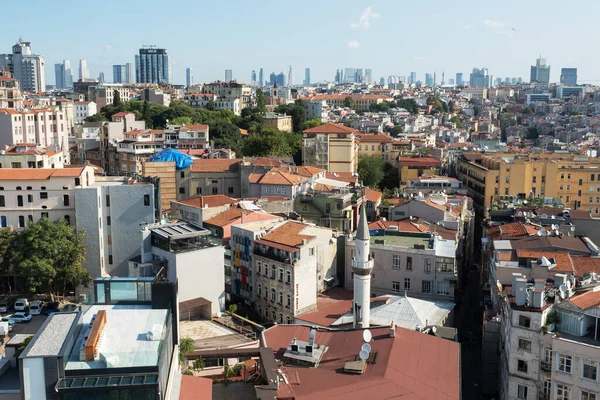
<point x="362" y="265"/>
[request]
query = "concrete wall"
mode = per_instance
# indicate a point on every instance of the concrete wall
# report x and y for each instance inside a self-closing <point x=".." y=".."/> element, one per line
<point x="199" y="273"/>
<point x="417" y="209"/>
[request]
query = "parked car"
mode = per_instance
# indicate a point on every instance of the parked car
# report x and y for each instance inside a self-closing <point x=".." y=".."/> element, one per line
<point x="36" y="307"/>
<point x="21" y="304"/>
<point x="51" y="308"/>
<point x="5" y="305"/>
<point x="20" y="316"/>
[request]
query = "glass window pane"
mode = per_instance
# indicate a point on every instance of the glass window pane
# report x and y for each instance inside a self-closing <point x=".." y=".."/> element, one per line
<point x="100" y="294"/>
<point x="123" y="291"/>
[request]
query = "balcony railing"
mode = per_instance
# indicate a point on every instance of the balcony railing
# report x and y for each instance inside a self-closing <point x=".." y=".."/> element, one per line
<point x="546" y="366"/>
<point x="270" y="254"/>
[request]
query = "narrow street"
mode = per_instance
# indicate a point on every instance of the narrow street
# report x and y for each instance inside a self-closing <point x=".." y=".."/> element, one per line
<point x="468" y="321"/>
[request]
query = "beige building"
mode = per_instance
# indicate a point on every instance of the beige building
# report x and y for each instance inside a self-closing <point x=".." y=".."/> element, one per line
<point x="209" y="177"/>
<point x="45" y="126"/>
<point x="361" y="102"/>
<point x="231" y="91"/>
<point x="136" y="147"/>
<point x="103" y="94"/>
<point x="30" y="155"/>
<point x="10" y="95"/>
<point x="280" y="122"/>
<point x="331" y="147"/>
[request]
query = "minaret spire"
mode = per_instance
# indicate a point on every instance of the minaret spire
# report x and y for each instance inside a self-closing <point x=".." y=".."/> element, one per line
<point x="362" y="265"/>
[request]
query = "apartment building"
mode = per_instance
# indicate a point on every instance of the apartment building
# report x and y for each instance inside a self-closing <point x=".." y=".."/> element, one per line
<point x="136" y="147"/>
<point x="231" y="91"/>
<point x="104" y="94"/>
<point x="280" y="122"/>
<point x="420" y="264"/>
<point x="10" y="94"/>
<point x="572" y="178"/>
<point x="317" y="109"/>
<point x="240" y="275"/>
<point x="194" y="136"/>
<point x="293" y="263"/>
<point x="200" y="208"/>
<point x="29" y="194"/>
<point x="210" y="177"/>
<point x="427" y="184"/>
<point x="45" y="126"/>
<point x="112" y="210"/>
<point x="361" y="102"/>
<point x="31" y="155"/>
<point x="82" y="110"/>
<point x="374" y="145"/>
<point x="411" y="167"/>
<point x="277" y="183"/>
<point x="331" y="147"/>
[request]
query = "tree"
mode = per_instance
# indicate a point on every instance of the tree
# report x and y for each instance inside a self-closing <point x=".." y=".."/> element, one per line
<point x="261" y="100"/>
<point x="297" y="112"/>
<point x="391" y="178"/>
<point x="182" y="121"/>
<point x="7" y="247"/>
<point x="49" y="255"/>
<point x="232" y="309"/>
<point x="349" y="102"/>
<point x="96" y="118"/>
<point x="527" y="110"/>
<point x="146" y="115"/>
<point x="371" y="170"/>
<point x="227" y="135"/>
<point x="409" y="105"/>
<point x="455" y="119"/>
<point x="312" y="123"/>
<point x="270" y="142"/>
<point x="451" y="106"/>
<point x="186" y="347"/>
<point x="117" y="101"/>
<point x="532" y="133"/>
<point x="476" y="111"/>
<point x="198" y="364"/>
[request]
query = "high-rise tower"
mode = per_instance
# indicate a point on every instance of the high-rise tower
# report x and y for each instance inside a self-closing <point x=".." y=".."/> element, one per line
<point x="362" y="265"/>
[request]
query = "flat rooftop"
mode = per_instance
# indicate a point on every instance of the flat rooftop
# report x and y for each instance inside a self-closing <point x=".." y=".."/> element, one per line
<point x="401" y="241"/>
<point x="178" y="230"/>
<point x="53" y="335"/>
<point x="123" y="341"/>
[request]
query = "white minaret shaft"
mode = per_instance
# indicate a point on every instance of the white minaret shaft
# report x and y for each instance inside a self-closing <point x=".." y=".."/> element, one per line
<point x="362" y="265"/>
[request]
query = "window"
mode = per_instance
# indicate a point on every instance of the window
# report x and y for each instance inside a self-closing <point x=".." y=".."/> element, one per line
<point x="563" y="392"/>
<point x="288" y="300"/>
<point x="2" y="202"/>
<point x="506" y="179"/>
<point x="108" y="220"/>
<point x="524" y="321"/>
<point x="569" y="176"/>
<point x="568" y="187"/>
<point x="280" y="318"/>
<point x="288" y="277"/>
<point x="21" y="221"/>
<point x="268" y="189"/>
<point x="427" y="266"/>
<point x="147" y="200"/>
<point x="182" y="174"/>
<point x="506" y="191"/>
<point x="20" y="201"/>
<point x="522" y="366"/>
<point x="311" y="251"/>
<point x="580" y="182"/>
<point x="266" y="313"/>
<point x="409" y="263"/>
<point x="259" y="289"/>
<point x="43" y="195"/>
<point x="281" y="274"/>
<point x="395" y="287"/>
<point x="273" y="272"/>
<point x="426" y="287"/>
<point x="407" y="284"/>
<point x="396" y="261"/>
<point x="443" y="288"/>
<point x="273" y="294"/>
<point x="230" y="190"/>
<point x="587" y="395"/>
<point x="525" y="344"/>
<point x="280" y="297"/>
<point x="110" y="259"/>
<point x="497" y="179"/>
<point x="289" y="321"/>
<point x="215" y="190"/>
<point x="109" y="239"/>
<point x="565" y="363"/>
<point x="592" y="176"/>
<point x="181" y="190"/>
<point x="561" y="187"/>
<point x="521" y="392"/>
<point x="579" y="193"/>
<point x="30" y="198"/>
<point x="535" y="179"/>
<point x="590" y="370"/>
<point x="198" y="190"/>
<point x="258" y="268"/>
<point x="562" y="176"/>
<point x="274" y="316"/>
<point x="66" y="199"/>
<point x="44" y="215"/>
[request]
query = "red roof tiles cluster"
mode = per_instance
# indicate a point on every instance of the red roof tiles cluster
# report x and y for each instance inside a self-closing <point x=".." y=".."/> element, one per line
<point x="331" y="129"/>
<point x="513" y="229"/>
<point x="16" y="174"/>
<point x="286" y="237"/>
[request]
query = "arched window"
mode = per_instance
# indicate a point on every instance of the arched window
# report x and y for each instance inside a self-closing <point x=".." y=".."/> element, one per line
<point x="273" y="295"/>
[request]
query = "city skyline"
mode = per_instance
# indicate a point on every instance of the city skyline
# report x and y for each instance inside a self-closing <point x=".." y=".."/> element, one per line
<point x="489" y="33"/>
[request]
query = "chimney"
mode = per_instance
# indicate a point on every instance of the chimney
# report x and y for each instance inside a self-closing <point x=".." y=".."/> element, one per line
<point x="313" y="333"/>
<point x="515" y="276"/>
<point x="520" y="291"/>
<point x="392" y="329"/>
<point x="539" y="298"/>
<point x="539" y="284"/>
<point x="559" y="279"/>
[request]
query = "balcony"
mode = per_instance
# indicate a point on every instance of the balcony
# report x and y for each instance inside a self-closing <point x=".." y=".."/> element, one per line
<point x="270" y="254"/>
<point x="546" y="366"/>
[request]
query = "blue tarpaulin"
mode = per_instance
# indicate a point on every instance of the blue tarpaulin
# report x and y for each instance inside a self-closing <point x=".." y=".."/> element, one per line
<point x="181" y="160"/>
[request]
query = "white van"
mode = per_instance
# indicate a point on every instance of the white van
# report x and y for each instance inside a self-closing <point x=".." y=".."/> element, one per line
<point x="21" y="304"/>
<point x="36" y="307"/>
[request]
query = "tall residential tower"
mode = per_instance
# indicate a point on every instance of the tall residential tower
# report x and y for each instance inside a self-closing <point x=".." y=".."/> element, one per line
<point x="154" y="66"/>
<point x="27" y="68"/>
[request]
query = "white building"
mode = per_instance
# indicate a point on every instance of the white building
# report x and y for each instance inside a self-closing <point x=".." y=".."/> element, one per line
<point x="30" y="155"/>
<point x="103" y="94"/>
<point x="29" y="194"/>
<point x="293" y="263"/>
<point x="45" y="126"/>
<point x="111" y="210"/>
<point x="84" y="109"/>
<point x="28" y="68"/>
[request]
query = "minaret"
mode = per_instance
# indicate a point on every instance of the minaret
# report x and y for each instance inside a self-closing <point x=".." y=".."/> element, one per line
<point x="362" y="265"/>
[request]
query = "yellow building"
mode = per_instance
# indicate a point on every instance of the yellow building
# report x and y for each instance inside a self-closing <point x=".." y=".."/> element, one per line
<point x="411" y="167"/>
<point x="362" y="102"/>
<point x="374" y="145"/>
<point x="572" y="178"/>
<point x="280" y="122"/>
<point x="331" y="147"/>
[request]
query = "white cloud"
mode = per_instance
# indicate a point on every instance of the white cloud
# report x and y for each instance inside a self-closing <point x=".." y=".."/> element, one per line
<point x="469" y="27"/>
<point x="353" y="44"/>
<point x="364" y="22"/>
<point x="107" y="48"/>
<point x="493" y="24"/>
<point x="418" y="58"/>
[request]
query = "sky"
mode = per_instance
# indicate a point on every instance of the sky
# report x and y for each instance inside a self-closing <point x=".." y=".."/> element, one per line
<point x="391" y="37"/>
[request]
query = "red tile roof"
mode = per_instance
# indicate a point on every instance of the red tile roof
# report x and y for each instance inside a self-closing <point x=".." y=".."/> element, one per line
<point x="513" y="229"/>
<point x="286" y="237"/>
<point x="373" y="195"/>
<point x="364" y="137"/>
<point x="412" y="365"/>
<point x="216" y="165"/>
<point x="562" y="258"/>
<point x="268" y="162"/>
<point x="234" y="215"/>
<point x="195" y="388"/>
<point x="15" y="174"/>
<point x="587" y="300"/>
<point x="122" y="114"/>
<point x="330" y="129"/>
<point x="276" y="177"/>
<point x="308" y="172"/>
<point x="216" y="200"/>
<point x="419" y="161"/>
<point x="194" y="127"/>
<point x="585" y="265"/>
<point x="349" y="177"/>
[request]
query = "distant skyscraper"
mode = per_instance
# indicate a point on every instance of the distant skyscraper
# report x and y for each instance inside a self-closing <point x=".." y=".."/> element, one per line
<point x="568" y="76"/>
<point x="368" y="76"/>
<point x="451" y="81"/>
<point x="253" y="78"/>
<point x="261" y="78"/>
<point x="360" y="76"/>
<point x="101" y="77"/>
<point x="428" y="80"/>
<point x="154" y="66"/>
<point x="413" y="78"/>
<point x="459" y="78"/>
<point x="58" y="76"/>
<point x="138" y="78"/>
<point x="67" y="75"/>
<point x="513" y="81"/>
<point x="119" y="73"/>
<point x="479" y="78"/>
<point x="349" y="75"/>
<point x="27" y="68"/>
<point x="382" y="81"/>
<point x="291" y="76"/>
<point x="189" y="76"/>
<point x="338" y="76"/>
<point x="540" y="72"/>
<point x="280" y="79"/>
<point x="272" y="79"/>
<point x="498" y="82"/>
<point x="307" y="76"/>
<point x="129" y="73"/>
<point x="519" y="80"/>
<point x="83" y="70"/>
<point x="228" y="75"/>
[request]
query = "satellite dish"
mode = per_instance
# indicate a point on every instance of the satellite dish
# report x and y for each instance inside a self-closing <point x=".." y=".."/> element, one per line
<point x="367" y="336"/>
<point x="364" y="355"/>
<point x="366" y="347"/>
<point x="519" y="213"/>
<point x="434" y="329"/>
<point x="544" y="216"/>
<point x="563" y="291"/>
<point x="572" y="229"/>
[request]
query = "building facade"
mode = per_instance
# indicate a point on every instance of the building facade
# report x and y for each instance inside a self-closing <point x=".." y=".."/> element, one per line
<point x="28" y="68"/>
<point x="154" y="66"/>
<point x="330" y="147"/>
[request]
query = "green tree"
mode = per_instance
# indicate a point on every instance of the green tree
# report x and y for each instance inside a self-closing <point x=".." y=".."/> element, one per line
<point x="99" y="117"/>
<point x="451" y="106"/>
<point x="371" y="170"/>
<point x="477" y="111"/>
<point x="409" y="105"/>
<point x="7" y="247"/>
<point x="391" y="178"/>
<point x="211" y="106"/>
<point x="313" y="123"/>
<point x="455" y="119"/>
<point x="532" y="133"/>
<point x="226" y="135"/>
<point x="49" y="255"/>
<point x="146" y="115"/>
<point x="269" y="141"/>
<point x="117" y="100"/>
<point x="232" y="309"/>
<point x="261" y="100"/>
<point x="349" y="102"/>
<point x="527" y="110"/>
<point x="297" y="112"/>
<point x="186" y="347"/>
<point x="198" y="364"/>
<point x="182" y="121"/>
